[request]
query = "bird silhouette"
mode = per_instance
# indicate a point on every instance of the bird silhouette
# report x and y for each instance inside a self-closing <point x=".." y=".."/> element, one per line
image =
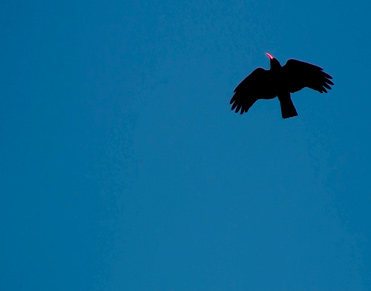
<point x="279" y="81"/>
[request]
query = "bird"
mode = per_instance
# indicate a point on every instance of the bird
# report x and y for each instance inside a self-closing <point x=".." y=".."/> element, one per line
<point x="279" y="81"/>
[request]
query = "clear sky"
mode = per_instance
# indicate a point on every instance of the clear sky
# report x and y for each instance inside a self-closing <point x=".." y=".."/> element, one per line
<point x="123" y="167"/>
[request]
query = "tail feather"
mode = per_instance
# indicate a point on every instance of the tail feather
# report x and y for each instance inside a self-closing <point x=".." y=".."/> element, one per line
<point x="287" y="107"/>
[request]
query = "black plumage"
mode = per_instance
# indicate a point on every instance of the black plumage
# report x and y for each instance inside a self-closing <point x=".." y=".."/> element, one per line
<point x="281" y="82"/>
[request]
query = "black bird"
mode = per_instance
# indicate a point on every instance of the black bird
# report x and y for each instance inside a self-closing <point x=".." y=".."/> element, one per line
<point x="279" y="81"/>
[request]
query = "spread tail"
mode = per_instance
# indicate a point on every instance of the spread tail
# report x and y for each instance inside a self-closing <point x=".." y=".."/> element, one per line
<point x="287" y="107"/>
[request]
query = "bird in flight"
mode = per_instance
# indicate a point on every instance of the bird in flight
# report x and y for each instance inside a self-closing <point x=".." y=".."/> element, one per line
<point x="279" y="81"/>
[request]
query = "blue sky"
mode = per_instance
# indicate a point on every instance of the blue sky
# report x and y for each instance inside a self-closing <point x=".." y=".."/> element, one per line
<point x="123" y="168"/>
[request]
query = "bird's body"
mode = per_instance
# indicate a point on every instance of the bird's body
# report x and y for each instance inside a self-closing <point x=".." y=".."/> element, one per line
<point x="279" y="82"/>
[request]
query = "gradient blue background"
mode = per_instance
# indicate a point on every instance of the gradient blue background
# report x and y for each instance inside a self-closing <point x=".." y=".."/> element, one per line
<point x="123" y="168"/>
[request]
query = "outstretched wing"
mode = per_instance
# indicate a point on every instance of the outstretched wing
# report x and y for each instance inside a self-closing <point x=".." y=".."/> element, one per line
<point x="300" y="74"/>
<point x="255" y="86"/>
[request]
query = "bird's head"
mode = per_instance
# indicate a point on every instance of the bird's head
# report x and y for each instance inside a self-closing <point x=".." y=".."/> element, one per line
<point x="274" y="62"/>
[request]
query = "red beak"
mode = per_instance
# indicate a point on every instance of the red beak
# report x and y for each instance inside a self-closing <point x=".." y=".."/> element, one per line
<point x="269" y="56"/>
